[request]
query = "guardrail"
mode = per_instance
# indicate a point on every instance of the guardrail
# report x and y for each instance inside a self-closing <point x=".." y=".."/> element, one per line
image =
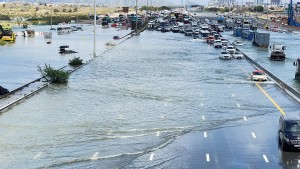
<point x="285" y="87"/>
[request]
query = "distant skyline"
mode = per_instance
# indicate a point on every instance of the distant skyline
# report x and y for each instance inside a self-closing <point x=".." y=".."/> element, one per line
<point x="140" y="2"/>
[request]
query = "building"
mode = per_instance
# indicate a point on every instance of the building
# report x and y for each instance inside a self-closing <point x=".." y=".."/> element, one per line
<point x="259" y="2"/>
<point x="275" y="2"/>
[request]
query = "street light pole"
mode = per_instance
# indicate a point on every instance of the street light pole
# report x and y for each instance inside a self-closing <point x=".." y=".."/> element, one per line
<point x="94" y="47"/>
<point x="136" y="21"/>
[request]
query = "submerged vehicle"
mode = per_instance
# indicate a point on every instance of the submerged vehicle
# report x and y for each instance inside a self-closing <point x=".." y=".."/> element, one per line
<point x="297" y="73"/>
<point x="217" y="43"/>
<point x="64" y="49"/>
<point x="277" y="52"/>
<point x="259" y="75"/>
<point x="224" y="55"/>
<point x="6" y="34"/>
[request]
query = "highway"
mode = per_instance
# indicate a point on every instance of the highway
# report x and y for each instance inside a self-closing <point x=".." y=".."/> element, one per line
<point x="167" y="102"/>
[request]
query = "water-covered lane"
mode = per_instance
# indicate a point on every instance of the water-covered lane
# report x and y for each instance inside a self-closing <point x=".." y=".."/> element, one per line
<point x="284" y="70"/>
<point x="137" y="98"/>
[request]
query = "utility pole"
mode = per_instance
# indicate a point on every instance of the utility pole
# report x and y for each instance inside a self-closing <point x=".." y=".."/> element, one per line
<point x="94" y="47"/>
<point x="137" y="19"/>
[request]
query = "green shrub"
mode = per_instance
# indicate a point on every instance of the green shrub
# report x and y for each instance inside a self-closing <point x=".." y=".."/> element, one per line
<point x="53" y="75"/>
<point x="76" y="61"/>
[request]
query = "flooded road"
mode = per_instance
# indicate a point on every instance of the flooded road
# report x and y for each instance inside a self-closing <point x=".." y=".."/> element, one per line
<point x="126" y="108"/>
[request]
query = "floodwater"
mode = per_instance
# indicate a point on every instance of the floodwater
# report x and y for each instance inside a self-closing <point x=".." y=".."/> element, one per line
<point x="135" y="98"/>
<point x="284" y="70"/>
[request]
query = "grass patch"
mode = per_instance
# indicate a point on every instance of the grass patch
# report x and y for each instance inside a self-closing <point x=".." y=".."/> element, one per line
<point x="76" y="61"/>
<point x="53" y="75"/>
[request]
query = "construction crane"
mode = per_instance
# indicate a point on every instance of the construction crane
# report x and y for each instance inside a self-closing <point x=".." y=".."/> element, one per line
<point x="291" y="15"/>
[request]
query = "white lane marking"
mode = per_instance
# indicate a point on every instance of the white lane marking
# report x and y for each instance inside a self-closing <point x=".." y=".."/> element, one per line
<point x="205" y="134"/>
<point x="238" y="105"/>
<point x="157" y="134"/>
<point x="95" y="156"/>
<point x="266" y="159"/>
<point x="228" y="86"/>
<point x="245" y="118"/>
<point x="203" y="117"/>
<point x="232" y="95"/>
<point x="207" y="158"/>
<point x="38" y="155"/>
<point x="162" y="116"/>
<point x="151" y="156"/>
<point x="253" y="135"/>
<point x="201" y="105"/>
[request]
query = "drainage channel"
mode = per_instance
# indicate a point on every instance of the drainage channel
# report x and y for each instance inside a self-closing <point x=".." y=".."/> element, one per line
<point x="16" y="96"/>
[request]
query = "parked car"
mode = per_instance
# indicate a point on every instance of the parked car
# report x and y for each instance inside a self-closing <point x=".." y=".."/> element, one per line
<point x="238" y="55"/>
<point x="259" y="75"/>
<point x="224" y="55"/>
<point x="289" y="132"/>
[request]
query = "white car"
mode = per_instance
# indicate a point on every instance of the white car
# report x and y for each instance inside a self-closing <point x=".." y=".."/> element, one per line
<point x="224" y="41"/>
<point x="259" y="75"/>
<point x="217" y="43"/>
<point x="229" y="49"/>
<point x="238" y="55"/>
<point x="238" y="43"/>
<point x="225" y="56"/>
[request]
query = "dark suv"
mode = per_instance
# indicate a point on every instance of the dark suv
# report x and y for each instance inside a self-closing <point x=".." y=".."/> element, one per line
<point x="289" y="132"/>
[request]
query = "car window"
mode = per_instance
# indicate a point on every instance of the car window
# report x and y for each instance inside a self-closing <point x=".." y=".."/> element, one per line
<point x="258" y="73"/>
<point x="293" y="127"/>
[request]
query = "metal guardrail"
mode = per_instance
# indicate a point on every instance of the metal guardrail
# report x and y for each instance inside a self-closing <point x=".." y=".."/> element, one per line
<point x="285" y="87"/>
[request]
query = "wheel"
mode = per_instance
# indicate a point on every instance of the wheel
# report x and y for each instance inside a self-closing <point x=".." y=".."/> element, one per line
<point x="284" y="147"/>
<point x="296" y="76"/>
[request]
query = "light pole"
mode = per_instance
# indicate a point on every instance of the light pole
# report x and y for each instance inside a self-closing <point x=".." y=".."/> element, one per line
<point x="94" y="47"/>
<point x="136" y="17"/>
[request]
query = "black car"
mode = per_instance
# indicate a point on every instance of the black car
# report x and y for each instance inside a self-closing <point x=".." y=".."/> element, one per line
<point x="289" y="132"/>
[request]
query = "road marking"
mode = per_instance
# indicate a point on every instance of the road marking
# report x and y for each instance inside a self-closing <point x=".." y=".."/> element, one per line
<point x="151" y="156"/>
<point x="205" y="134"/>
<point x="157" y="134"/>
<point x="201" y="104"/>
<point x="270" y="98"/>
<point x="95" y="156"/>
<point x="203" y="117"/>
<point x="266" y="159"/>
<point x="162" y="116"/>
<point x="253" y="135"/>
<point x="233" y="95"/>
<point x="238" y="105"/>
<point x="207" y="158"/>
<point x="245" y="118"/>
<point x="38" y="155"/>
<point x="228" y="86"/>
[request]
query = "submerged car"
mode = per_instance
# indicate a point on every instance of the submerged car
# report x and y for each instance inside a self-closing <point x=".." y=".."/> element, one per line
<point x="217" y="43"/>
<point x="259" y="75"/>
<point x="238" y="43"/>
<point x="238" y="55"/>
<point x="229" y="49"/>
<point x="289" y="132"/>
<point x="225" y="56"/>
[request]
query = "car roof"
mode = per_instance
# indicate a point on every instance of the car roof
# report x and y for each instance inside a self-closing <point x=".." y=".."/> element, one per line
<point x="258" y="70"/>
